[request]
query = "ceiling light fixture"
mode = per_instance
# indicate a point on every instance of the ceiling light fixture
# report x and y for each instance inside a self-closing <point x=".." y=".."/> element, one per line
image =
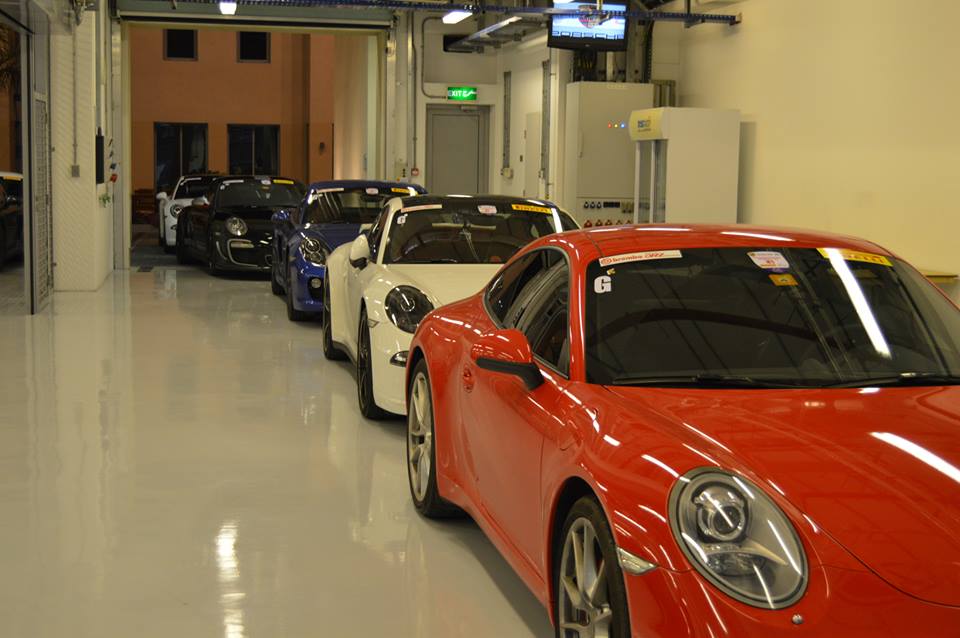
<point x="228" y="7"/>
<point x="456" y="16"/>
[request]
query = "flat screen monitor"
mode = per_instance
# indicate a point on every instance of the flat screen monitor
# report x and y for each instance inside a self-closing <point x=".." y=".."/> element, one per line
<point x="588" y="31"/>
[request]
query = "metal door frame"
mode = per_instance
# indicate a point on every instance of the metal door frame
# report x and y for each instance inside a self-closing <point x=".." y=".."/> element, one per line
<point x="483" y="113"/>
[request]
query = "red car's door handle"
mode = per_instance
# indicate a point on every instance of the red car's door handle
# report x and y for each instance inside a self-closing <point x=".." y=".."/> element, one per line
<point x="467" y="380"/>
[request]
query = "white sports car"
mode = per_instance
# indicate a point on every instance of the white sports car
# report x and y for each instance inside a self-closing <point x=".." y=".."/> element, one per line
<point x="422" y="252"/>
<point x="188" y="188"/>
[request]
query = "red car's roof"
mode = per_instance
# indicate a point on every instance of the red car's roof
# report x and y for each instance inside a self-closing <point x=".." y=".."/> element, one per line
<point x="614" y="240"/>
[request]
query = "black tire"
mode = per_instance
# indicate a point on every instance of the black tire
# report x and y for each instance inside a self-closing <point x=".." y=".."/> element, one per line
<point x="161" y="241"/>
<point x="368" y="405"/>
<point x="168" y="249"/>
<point x="212" y="262"/>
<point x="292" y="313"/>
<point x="330" y="351"/>
<point x="586" y="514"/>
<point x="420" y="432"/>
<point x="182" y="257"/>
<point x="275" y="288"/>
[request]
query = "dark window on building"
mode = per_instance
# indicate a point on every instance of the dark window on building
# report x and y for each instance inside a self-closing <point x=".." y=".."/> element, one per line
<point x="254" y="149"/>
<point x="181" y="149"/>
<point x="253" y="46"/>
<point x="179" y="44"/>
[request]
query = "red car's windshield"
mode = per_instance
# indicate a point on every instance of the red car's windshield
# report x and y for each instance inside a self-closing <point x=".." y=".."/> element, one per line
<point x="806" y="317"/>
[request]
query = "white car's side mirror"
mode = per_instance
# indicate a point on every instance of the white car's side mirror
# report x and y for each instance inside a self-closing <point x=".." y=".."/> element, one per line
<point x="360" y="252"/>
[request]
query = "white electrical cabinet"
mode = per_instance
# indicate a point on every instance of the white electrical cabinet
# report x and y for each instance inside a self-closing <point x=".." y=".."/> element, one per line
<point x="687" y="165"/>
<point x="598" y="175"/>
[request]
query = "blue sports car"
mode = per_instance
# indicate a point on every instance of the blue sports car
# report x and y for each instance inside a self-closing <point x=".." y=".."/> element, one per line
<point x="330" y="214"/>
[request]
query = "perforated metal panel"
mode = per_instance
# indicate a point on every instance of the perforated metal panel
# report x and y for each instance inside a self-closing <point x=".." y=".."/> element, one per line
<point x="41" y="212"/>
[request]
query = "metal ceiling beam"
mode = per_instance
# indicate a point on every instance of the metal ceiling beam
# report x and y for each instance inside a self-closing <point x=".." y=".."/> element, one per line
<point x="419" y="5"/>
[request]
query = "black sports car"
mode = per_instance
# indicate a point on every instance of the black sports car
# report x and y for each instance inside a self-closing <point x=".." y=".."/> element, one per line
<point x="229" y="228"/>
<point x="11" y="216"/>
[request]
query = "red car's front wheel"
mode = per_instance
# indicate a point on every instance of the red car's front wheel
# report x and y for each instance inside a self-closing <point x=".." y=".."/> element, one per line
<point x="591" y="597"/>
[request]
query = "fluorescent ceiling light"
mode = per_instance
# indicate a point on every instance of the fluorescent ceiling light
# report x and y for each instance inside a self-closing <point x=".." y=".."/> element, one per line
<point x="456" y="16"/>
<point x="228" y="8"/>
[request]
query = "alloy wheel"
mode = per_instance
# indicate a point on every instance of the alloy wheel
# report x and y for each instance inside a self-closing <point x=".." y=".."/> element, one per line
<point x="420" y="437"/>
<point x="584" y="596"/>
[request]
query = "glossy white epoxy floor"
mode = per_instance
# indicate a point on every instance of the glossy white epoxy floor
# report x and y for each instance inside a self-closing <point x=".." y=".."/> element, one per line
<point x="177" y="459"/>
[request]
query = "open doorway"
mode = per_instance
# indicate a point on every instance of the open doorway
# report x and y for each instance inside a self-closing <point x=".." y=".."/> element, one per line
<point x="13" y="298"/>
<point x="215" y="101"/>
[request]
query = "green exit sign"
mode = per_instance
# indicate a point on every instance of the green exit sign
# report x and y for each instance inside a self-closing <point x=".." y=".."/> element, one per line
<point x="462" y="93"/>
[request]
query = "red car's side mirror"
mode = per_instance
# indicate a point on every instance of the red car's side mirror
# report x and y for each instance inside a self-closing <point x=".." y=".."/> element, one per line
<point x="508" y="352"/>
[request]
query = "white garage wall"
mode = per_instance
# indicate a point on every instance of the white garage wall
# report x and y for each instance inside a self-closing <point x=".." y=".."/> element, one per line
<point x="82" y="228"/>
<point x="849" y="113"/>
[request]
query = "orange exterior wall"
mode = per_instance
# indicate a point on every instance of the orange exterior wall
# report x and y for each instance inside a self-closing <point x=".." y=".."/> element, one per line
<point x="217" y="90"/>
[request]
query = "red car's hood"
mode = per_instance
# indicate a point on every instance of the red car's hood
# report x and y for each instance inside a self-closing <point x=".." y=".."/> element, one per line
<point x="877" y="469"/>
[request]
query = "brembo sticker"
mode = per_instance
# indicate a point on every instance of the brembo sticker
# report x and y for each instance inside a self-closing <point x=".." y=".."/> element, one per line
<point x="648" y="255"/>
<point x="769" y="260"/>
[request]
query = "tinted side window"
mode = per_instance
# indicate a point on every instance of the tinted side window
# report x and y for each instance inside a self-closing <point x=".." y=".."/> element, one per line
<point x="505" y="294"/>
<point x="376" y="232"/>
<point x="544" y="320"/>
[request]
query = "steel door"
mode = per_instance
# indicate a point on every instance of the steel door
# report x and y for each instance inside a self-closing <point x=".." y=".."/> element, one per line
<point x="457" y="150"/>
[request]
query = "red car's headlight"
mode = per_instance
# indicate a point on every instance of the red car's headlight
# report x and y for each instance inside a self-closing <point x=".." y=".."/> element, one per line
<point x="738" y="538"/>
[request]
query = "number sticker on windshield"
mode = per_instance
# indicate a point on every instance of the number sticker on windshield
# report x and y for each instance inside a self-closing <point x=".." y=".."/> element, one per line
<point x="602" y="284"/>
<point x="644" y="256"/>
<point x="769" y="260"/>
<point x="854" y="255"/>
<point x="401" y="220"/>
<point x="283" y="181"/>
<point x="373" y="191"/>
<point x="486" y="209"/>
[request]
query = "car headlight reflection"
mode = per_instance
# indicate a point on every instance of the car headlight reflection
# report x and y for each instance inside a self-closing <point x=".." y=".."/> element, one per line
<point x="236" y="226"/>
<point x="407" y="306"/>
<point x="313" y="251"/>
<point x="738" y="538"/>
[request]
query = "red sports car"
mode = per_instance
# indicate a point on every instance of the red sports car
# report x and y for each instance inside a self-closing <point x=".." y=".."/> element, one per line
<point x="703" y="431"/>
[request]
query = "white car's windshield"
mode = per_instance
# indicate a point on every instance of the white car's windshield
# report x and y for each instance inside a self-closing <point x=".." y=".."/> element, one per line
<point x="470" y="233"/>
<point x="740" y="316"/>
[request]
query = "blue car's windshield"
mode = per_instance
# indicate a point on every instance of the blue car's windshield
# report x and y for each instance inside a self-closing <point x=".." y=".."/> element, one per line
<point x="354" y="206"/>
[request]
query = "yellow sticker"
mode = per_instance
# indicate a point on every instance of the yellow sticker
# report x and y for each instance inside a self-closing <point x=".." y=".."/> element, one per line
<point x="531" y="209"/>
<point x="283" y="181"/>
<point x="12" y="178"/>
<point x="853" y="255"/>
<point x="405" y="191"/>
<point x="783" y="280"/>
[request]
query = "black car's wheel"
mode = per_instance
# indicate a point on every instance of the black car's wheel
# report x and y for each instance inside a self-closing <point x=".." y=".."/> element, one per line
<point x="182" y="257"/>
<point x="275" y="288"/>
<point x="591" y="596"/>
<point x="167" y="249"/>
<point x="330" y="351"/>
<point x="368" y="406"/>
<point x="421" y="451"/>
<point x="212" y="262"/>
<point x="292" y="313"/>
